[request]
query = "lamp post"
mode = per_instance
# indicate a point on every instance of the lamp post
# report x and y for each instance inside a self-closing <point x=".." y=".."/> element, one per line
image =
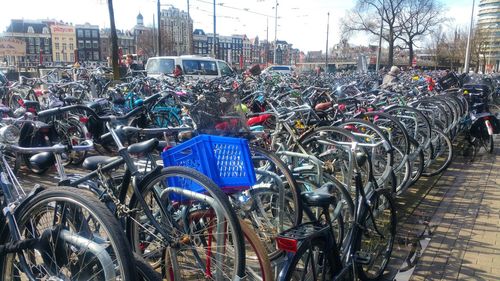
<point x="214" y="51"/>
<point x="379" y="50"/>
<point x="327" y="32"/>
<point x="275" y="31"/>
<point x="159" y="26"/>
<point x="467" y="51"/>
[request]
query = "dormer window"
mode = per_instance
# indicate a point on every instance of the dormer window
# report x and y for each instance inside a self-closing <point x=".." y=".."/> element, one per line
<point x="30" y="29"/>
<point x="45" y="30"/>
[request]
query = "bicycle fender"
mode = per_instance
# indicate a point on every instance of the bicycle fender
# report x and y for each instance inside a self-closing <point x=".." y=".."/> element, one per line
<point x="151" y="175"/>
<point x="36" y="189"/>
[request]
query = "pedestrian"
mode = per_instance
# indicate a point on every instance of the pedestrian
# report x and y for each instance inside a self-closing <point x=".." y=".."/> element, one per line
<point x="391" y="76"/>
<point x="177" y="71"/>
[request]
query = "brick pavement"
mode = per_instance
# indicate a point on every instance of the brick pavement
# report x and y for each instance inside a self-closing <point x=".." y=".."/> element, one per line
<point x="464" y="212"/>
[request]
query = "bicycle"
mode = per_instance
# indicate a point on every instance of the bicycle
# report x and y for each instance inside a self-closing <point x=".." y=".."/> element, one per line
<point x="312" y="250"/>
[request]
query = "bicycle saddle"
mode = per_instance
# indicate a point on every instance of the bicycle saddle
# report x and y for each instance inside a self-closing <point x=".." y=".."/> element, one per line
<point x="321" y="197"/>
<point x="92" y="162"/>
<point x="143" y="147"/>
<point x="43" y="160"/>
<point x="323" y="105"/>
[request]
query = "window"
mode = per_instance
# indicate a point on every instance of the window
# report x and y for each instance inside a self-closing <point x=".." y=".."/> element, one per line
<point x="58" y="57"/>
<point x="81" y="44"/>
<point x="64" y="45"/>
<point x="31" y="49"/>
<point x="158" y="66"/>
<point x="199" y="67"/>
<point x="88" y="44"/>
<point x="57" y="46"/>
<point x="225" y="69"/>
<point x="71" y="46"/>
<point x="30" y="29"/>
<point x="37" y="41"/>
<point x="87" y="33"/>
<point x="95" y="45"/>
<point x="79" y="32"/>
<point x="94" y="33"/>
<point x="71" y="57"/>
<point x="96" y="55"/>
<point x="45" y="30"/>
<point x="56" y="38"/>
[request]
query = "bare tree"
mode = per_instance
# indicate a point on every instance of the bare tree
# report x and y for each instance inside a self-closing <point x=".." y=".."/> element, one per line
<point x="418" y="18"/>
<point x="368" y="15"/>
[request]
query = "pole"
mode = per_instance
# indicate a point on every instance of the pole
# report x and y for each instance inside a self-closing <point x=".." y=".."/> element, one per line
<point x="327" y="32"/>
<point x="267" y="41"/>
<point x="153" y="38"/>
<point x="190" y="31"/>
<point x="379" y="50"/>
<point x="159" y="27"/>
<point x="467" y="51"/>
<point x="114" y="42"/>
<point x="214" y="51"/>
<point x="275" y="31"/>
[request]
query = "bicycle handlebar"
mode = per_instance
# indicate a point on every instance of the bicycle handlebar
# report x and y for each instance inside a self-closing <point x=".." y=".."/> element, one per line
<point x="60" y="110"/>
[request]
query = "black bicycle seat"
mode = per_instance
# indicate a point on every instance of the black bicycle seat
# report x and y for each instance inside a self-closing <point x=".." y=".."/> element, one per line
<point x="321" y="197"/>
<point x="92" y="162"/>
<point x="143" y="147"/>
<point x="43" y="160"/>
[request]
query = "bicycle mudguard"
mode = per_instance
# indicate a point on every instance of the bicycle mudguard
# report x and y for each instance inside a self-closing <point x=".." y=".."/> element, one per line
<point x="36" y="189"/>
<point x="150" y="175"/>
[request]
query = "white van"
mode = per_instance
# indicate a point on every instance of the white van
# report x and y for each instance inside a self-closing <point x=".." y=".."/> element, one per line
<point x="193" y="67"/>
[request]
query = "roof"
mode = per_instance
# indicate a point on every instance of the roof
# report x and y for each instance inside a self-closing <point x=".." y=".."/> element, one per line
<point x="21" y="26"/>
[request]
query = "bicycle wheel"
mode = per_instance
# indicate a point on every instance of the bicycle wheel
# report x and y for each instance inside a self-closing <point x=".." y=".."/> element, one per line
<point x="442" y="154"/>
<point x="311" y="262"/>
<point x="204" y="238"/>
<point x="374" y="240"/>
<point x="417" y="161"/>
<point x="79" y="239"/>
<point x="144" y="270"/>
<point x="272" y="204"/>
<point x="258" y="266"/>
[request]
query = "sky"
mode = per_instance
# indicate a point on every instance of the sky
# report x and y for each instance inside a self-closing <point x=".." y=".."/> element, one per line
<point x="300" y="22"/>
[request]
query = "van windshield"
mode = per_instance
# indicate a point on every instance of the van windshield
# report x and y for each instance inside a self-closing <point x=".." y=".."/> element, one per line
<point x="280" y="68"/>
<point x="158" y="66"/>
<point x="199" y="67"/>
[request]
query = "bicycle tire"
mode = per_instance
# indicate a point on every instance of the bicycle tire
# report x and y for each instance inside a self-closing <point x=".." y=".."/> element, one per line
<point x="253" y="241"/>
<point x="441" y="140"/>
<point x="30" y="211"/>
<point x="144" y="270"/>
<point x="366" y="217"/>
<point x="292" y="191"/>
<point x="231" y="220"/>
<point x="294" y="267"/>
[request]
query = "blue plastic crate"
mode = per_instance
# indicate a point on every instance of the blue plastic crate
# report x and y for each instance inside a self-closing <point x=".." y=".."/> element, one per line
<point x="227" y="161"/>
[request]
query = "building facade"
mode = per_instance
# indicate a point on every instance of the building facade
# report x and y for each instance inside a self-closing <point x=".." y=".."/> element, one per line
<point x="37" y="38"/>
<point x="126" y="43"/>
<point x="63" y="43"/>
<point x="200" y="43"/>
<point x="177" y="27"/>
<point x="88" y="42"/>
<point x="488" y="25"/>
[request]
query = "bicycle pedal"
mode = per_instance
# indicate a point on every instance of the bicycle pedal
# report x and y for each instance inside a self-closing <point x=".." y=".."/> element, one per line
<point x="362" y="258"/>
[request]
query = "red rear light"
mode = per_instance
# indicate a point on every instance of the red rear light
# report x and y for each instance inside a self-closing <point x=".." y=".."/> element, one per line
<point x="342" y="107"/>
<point x="84" y="119"/>
<point x="286" y="244"/>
